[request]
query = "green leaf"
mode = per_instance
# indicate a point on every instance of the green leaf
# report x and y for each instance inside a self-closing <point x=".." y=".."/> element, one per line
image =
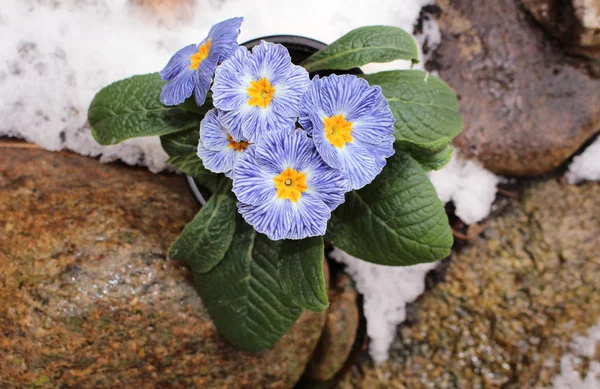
<point x="205" y="240"/>
<point x="131" y="108"/>
<point x="191" y="165"/>
<point x="397" y="220"/>
<point x="243" y="295"/>
<point x="425" y="108"/>
<point x="432" y="156"/>
<point x="362" y="46"/>
<point x="181" y="143"/>
<point x="301" y="271"/>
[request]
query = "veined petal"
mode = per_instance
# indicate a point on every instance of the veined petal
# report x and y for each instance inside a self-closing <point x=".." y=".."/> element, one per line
<point x="212" y="134"/>
<point x="179" y="62"/>
<point x="306" y="124"/>
<point x="328" y="184"/>
<point x="311" y="105"/>
<point x="232" y="79"/>
<point x="203" y="78"/>
<point x="272" y="218"/>
<point x="224" y="36"/>
<point x="327" y="151"/>
<point x="376" y="125"/>
<point x="234" y="121"/>
<point x="359" y="165"/>
<point x="279" y="150"/>
<point x="271" y="61"/>
<point x="178" y="89"/>
<point x="221" y="161"/>
<point x="309" y="217"/>
<point x="261" y="121"/>
<point x="348" y="95"/>
<point x="251" y="184"/>
<point x="288" y="94"/>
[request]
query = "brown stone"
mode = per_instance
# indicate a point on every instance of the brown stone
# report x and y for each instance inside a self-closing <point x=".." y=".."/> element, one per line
<point x="339" y="332"/>
<point x="574" y="22"/>
<point x="169" y="12"/>
<point x="511" y="304"/>
<point x="526" y="103"/>
<point x="88" y="299"/>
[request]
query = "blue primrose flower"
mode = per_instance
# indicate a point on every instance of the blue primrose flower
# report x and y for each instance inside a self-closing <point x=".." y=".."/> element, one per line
<point x="191" y="69"/>
<point x="260" y="91"/>
<point x="351" y="124"/>
<point x="285" y="190"/>
<point x="217" y="149"/>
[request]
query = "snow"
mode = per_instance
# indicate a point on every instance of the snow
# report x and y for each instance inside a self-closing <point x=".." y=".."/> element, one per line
<point x="56" y="54"/>
<point x="581" y="347"/>
<point x="468" y="185"/>
<point x="586" y="166"/>
<point x="386" y="292"/>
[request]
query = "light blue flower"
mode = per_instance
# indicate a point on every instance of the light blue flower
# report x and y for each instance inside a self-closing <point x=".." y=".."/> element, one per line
<point x="260" y="91"/>
<point x="351" y="124"/>
<point x="192" y="68"/>
<point x="285" y="190"/>
<point x="217" y="149"/>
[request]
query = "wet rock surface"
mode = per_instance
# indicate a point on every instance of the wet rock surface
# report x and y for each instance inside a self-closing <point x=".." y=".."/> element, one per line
<point x="575" y="22"/>
<point x="527" y="104"/>
<point x="511" y="304"/>
<point x="88" y="299"/>
<point x="339" y="333"/>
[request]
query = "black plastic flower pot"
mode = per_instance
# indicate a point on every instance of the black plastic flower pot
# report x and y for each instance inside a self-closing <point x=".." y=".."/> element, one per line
<point x="300" y="48"/>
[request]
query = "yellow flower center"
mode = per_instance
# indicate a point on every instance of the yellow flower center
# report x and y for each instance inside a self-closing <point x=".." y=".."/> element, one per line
<point x="290" y="184"/>
<point x="260" y="93"/>
<point x="238" y="146"/>
<point x="200" y="56"/>
<point x="338" y="130"/>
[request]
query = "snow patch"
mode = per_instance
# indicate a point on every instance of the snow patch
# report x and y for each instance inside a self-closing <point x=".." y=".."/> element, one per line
<point x="586" y="166"/>
<point x="468" y="185"/>
<point x="386" y="292"/>
<point x="581" y="347"/>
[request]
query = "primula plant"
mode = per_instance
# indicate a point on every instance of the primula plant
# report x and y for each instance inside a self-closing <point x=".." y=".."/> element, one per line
<point x="292" y="161"/>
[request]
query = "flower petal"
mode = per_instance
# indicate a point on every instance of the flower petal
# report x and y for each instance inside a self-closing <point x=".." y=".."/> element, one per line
<point x="376" y="125"/>
<point x="309" y="217"/>
<point x="232" y="79"/>
<point x="251" y="184"/>
<point x="311" y="105"/>
<point x="327" y="151"/>
<point x="203" y="78"/>
<point x="288" y="94"/>
<point x="212" y="133"/>
<point x="359" y="165"/>
<point x="221" y="161"/>
<point x="234" y="121"/>
<point x="178" y="89"/>
<point x="179" y="62"/>
<point x="348" y="95"/>
<point x="260" y="121"/>
<point x="224" y="36"/>
<point x="328" y="184"/>
<point x="272" y="218"/>
<point x="279" y="150"/>
<point x="271" y="61"/>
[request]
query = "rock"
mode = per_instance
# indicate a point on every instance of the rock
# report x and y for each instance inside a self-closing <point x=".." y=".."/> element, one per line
<point x="168" y="12"/>
<point x="339" y="333"/>
<point x="527" y="105"/>
<point x="88" y="299"/>
<point x="512" y="303"/>
<point x="575" y="22"/>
